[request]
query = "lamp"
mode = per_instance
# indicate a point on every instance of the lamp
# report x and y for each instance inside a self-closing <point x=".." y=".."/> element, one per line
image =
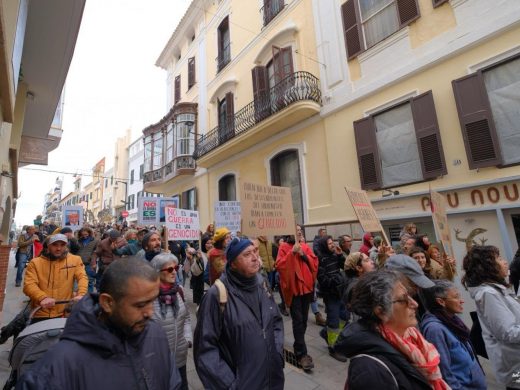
<point x="389" y="192"/>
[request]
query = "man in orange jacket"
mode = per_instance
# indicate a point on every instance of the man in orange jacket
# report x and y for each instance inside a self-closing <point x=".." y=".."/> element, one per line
<point x="50" y="278"/>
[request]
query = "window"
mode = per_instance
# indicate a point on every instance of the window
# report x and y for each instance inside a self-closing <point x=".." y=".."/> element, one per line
<point x="111" y="180"/>
<point x="106" y="183"/>
<point x="368" y="22"/>
<point x="141" y="171"/>
<point x="400" y="145"/>
<point x="188" y="199"/>
<point x="169" y="143"/>
<point x="157" y="150"/>
<point x="281" y="66"/>
<point x="185" y="136"/>
<point x="91" y="196"/>
<point x="191" y="72"/>
<point x="488" y="107"/>
<point x="227" y="188"/>
<point x="285" y="172"/>
<point x="177" y="89"/>
<point x="271" y="8"/>
<point x="224" y="49"/>
<point x="132" y="176"/>
<point x="226" y="123"/>
<point x="147" y="154"/>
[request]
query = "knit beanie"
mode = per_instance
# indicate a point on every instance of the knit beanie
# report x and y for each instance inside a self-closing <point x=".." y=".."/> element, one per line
<point x="235" y="247"/>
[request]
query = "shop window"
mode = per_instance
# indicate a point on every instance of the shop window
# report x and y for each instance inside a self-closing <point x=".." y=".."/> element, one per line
<point x="400" y="145"/>
<point x="489" y="114"/>
<point x="227" y="188"/>
<point x="368" y="22"/>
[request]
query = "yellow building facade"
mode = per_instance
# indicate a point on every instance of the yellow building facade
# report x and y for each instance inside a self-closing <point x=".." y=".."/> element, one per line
<point x="318" y="95"/>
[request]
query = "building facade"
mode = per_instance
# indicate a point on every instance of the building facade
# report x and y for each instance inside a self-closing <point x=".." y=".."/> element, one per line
<point x="135" y="179"/>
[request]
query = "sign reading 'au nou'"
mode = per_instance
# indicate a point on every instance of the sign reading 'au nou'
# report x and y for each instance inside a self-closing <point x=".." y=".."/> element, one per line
<point x="266" y="210"/>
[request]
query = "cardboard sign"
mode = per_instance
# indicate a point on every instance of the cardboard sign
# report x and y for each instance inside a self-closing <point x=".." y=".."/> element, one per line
<point x="150" y="210"/>
<point x="72" y="216"/>
<point x="228" y="214"/>
<point x="182" y="225"/>
<point x="266" y="210"/>
<point x="440" y="220"/>
<point x="366" y="214"/>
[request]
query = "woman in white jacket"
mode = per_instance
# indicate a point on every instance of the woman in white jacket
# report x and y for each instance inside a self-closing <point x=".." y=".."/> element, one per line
<point x="170" y="311"/>
<point x="498" y="311"/>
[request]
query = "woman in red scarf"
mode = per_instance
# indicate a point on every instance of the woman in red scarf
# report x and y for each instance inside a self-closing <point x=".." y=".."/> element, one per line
<point x="385" y="349"/>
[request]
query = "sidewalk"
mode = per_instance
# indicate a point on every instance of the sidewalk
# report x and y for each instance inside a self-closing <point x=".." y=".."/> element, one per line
<point x="328" y="374"/>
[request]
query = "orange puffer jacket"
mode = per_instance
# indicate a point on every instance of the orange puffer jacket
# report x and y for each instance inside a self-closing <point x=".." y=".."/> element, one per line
<point x="54" y="279"/>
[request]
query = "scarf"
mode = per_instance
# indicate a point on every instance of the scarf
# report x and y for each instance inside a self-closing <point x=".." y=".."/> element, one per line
<point x="149" y="255"/>
<point x="250" y="293"/>
<point x="168" y="297"/>
<point x="454" y="324"/>
<point x="419" y="352"/>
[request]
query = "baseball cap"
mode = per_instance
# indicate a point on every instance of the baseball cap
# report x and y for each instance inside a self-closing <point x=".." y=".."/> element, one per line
<point x="58" y="237"/>
<point x="410" y="268"/>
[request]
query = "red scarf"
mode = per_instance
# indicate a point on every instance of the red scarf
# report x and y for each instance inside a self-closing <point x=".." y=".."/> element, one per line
<point x="419" y="352"/>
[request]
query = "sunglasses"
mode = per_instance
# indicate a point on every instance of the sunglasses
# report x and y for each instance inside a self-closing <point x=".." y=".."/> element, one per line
<point x="171" y="269"/>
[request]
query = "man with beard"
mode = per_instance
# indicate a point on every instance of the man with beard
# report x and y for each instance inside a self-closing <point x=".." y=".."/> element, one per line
<point x="50" y="278"/>
<point x="152" y="246"/>
<point x="106" y="253"/>
<point x="109" y="341"/>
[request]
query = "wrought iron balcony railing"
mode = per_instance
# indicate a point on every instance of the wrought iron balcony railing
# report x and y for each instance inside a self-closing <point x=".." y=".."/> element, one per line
<point x="176" y="166"/>
<point x="296" y="87"/>
<point x="270" y="9"/>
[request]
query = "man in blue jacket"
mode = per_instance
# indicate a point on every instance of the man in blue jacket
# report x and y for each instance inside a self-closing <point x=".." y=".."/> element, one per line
<point x="109" y="341"/>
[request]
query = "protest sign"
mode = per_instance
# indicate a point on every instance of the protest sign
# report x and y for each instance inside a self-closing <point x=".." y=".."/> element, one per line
<point x="266" y="210"/>
<point x="72" y="216"/>
<point x="228" y="214"/>
<point x="365" y="212"/>
<point x="150" y="210"/>
<point x="440" y="220"/>
<point x="182" y="224"/>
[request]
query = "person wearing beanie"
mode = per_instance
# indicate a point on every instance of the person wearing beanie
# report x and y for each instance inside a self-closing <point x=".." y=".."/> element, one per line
<point x="151" y="246"/>
<point x="73" y="241"/>
<point x="228" y="351"/>
<point x="106" y="253"/>
<point x="216" y="256"/>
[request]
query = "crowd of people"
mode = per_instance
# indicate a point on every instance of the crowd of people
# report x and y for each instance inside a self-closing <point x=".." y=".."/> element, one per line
<point x="393" y="313"/>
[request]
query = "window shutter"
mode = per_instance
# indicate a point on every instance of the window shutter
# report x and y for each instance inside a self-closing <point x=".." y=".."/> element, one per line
<point x="476" y="121"/>
<point x="261" y="93"/>
<point x="437" y="3"/>
<point x="191" y="72"/>
<point x="277" y="64"/>
<point x="429" y="141"/>
<point x="367" y="152"/>
<point x="194" y="198"/>
<point x="230" y="115"/>
<point x="286" y="62"/>
<point x="177" y="89"/>
<point x="184" y="200"/>
<point x="408" y="11"/>
<point x="352" y="29"/>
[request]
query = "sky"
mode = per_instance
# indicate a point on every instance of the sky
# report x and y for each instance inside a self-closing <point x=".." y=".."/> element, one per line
<point x="112" y="85"/>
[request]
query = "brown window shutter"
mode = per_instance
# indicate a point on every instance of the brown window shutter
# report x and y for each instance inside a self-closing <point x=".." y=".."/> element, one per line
<point x="261" y="93"/>
<point x="368" y="155"/>
<point x="429" y="141"/>
<point x="230" y="115"/>
<point x="437" y="3"/>
<point x="184" y="200"/>
<point x="286" y="62"/>
<point x="408" y="11"/>
<point x="191" y="72"/>
<point x="177" y="89"/>
<point x="277" y="64"/>
<point x="476" y="121"/>
<point x="352" y="29"/>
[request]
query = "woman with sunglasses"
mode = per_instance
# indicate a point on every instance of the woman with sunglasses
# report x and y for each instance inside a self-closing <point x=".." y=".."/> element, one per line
<point x="170" y="311"/>
<point x="385" y="349"/>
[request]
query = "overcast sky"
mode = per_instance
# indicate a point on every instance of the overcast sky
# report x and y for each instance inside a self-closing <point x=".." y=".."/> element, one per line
<point x="112" y="85"/>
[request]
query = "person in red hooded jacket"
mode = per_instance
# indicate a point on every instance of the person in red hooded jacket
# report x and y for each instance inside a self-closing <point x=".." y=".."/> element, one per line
<point x="368" y="242"/>
<point x="298" y="268"/>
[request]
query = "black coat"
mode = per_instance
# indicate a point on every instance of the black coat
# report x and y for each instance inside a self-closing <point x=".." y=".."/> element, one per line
<point x="233" y="348"/>
<point x="365" y="373"/>
<point x="330" y="275"/>
<point x="90" y="356"/>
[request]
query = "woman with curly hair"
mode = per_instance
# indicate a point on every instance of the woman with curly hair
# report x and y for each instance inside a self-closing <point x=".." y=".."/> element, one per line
<point x="498" y="310"/>
<point x="422" y="258"/>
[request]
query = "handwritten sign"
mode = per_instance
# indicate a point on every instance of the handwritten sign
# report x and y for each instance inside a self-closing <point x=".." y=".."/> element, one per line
<point x="182" y="225"/>
<point x="228" y="214"/>
<point x="266" y="210"/>
<point x="440" y="220"/>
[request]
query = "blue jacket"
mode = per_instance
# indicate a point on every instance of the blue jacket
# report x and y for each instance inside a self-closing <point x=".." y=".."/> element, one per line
<point x="459" y="366"/>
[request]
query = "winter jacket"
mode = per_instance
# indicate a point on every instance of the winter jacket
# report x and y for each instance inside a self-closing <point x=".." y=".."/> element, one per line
<point x="367" y="373"/>
<point x="365" y="247"/>
<point x="233" y="348"/>
<point x="499" y="315"/>
<point x="86" y="249"/>
<point x="316" y="246"/>
<point x="24" y="243"/>
<point x="104" y="251"/>
<point x="45" y="278"/>
<point x="297" y="273"/>
<point x="459" y="365"/>
<point x="73" y="245"/>
<point x="178" y="329"/>
<point x="330" y="277"/>
<point x="265" y="250"/>
<point x="90" y="355"/>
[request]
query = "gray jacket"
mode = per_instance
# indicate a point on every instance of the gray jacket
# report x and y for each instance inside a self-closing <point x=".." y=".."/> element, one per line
<point x="499" y="315"/>
<point x="178" y="329"/>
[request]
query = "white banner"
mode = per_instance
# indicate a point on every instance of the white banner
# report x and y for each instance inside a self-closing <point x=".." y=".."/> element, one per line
<point x="228" y="214"/>
<point x="182" y="225"/>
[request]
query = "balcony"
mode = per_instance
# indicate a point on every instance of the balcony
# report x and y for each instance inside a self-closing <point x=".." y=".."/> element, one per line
<point x="179" y="166"/>
<point x="270" y="9"/>
<point x="295" y="98"/>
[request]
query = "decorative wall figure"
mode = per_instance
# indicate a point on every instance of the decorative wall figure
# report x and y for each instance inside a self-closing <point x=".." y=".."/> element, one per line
<point x="470" y="239"/>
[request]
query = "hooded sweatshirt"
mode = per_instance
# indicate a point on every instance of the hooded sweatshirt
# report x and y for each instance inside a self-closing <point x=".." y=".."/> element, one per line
<point x="365" y="248"/>
<point x="92" y="355"/>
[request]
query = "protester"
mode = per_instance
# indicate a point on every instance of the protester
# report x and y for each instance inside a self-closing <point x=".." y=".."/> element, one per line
<point x="332" y="285"/>
<point x="345" y="243"/>
<point x="443" y="328"/>
<point x="422" y="258"/>
<point x="238" y="342"/>
<point x="106" y="253"/>
<point x="87" y="246"/>
<point x="50" y="278"/>
<point x="73" y="244"/>
<point x="132" y="244"/>
<point x="109" y="341"/>
<point x="356" y="265"/>
<point x="216" y="256"/>
<point x="322" y="232"/>
<point x="373" y="253"/>
<point x="210" y="231"/>
<point x="199" y="264"/>
<point x="279" y="240"/>
<point x="368" y="242"/>
<point x="171" y="312"/>
<point x="498" y="310"/>
<point x="441" y="268"/>
<point x="385" y="349"/>
<point x="409" y="229"/>
<point x="24" y="252"/>
<point x="422" y="241"/>
<point x="514" y="271"/>
<point x="152" y="246"/>
<point x="407" y="242"/>
<point x="298" y="268"/>
<point x="265" y="249"/>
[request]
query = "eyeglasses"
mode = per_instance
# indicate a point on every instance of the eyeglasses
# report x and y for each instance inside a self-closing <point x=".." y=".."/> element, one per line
<point x="406" y="299"/>
<point x="171" y="269"/>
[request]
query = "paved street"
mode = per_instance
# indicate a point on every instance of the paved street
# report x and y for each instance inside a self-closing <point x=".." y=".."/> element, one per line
<point x="328" y="374"/>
